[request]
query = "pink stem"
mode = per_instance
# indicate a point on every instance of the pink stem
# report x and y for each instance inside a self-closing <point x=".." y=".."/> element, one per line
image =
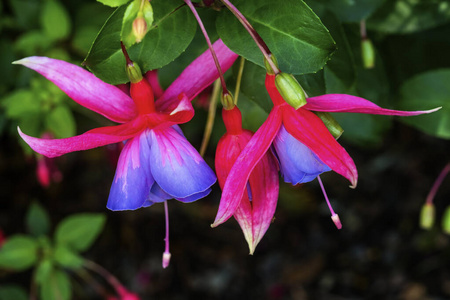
<point x="437" y="184"/>
<point x="326" y="197"/>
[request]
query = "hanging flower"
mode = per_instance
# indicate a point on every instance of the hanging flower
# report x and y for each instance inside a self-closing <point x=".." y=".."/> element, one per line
<point x="157" y="162"/>
<point x="287" y="127"/>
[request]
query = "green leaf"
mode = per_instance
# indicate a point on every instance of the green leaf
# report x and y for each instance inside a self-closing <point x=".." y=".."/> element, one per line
<point x="37" y="220"/>
<point x="19" y="103"/>
<point x="18" y="253"/>
<point x="133" y="11"/>
<point x="67" y="258"/>
<point x="406" y="16"/>
<point x="10" y="291"/>
<point x="171" y="33"/>
<point x="32" y="42"/>
<point x="293" y="33"/>
<point x="351" y="11"/>
<point x="61" y="121"/>
<point x="55" y="20"/>
<point x="43" y="271"/>
<point x="113" y="3"/>
<point x="57" y="286"/>
<point x="426" y="91"/>
<point x="78" y="232"/>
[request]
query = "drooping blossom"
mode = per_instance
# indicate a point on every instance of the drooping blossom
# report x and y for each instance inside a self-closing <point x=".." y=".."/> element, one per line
<point x="157" y="162"/>
<point x="258" y="203"/>
<point x="290" y="130"/>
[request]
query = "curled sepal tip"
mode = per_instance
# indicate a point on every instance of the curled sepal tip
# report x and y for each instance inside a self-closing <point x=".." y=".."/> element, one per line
<point x="290" y="90"/>
<point x="427" y="216"/>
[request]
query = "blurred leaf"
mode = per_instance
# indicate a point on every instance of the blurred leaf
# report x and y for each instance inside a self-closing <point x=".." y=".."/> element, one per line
<point x="78" y="232"/>
<point x="113" y="3"/>
<point x="350" y="10"/>
<point x="426" y="91"/>
<point x="67" y="258"/>
<point x="12" y="292"/>
<point x="26" y="13"/>
<point x="61" y="122"/>
<point x="293" y="33"/>
<point x="313" y="83"/>
<point x="43" y="271"/>
<point x="32" y="42"/>
<point x="7" y="55"/>
<point x="19" y="103"/>
<point x="37" y="220"/>
<point x="128" y="36"/>
<point x="55" y="20"/>
<point x="56" y="287"/>
<point x="172" y="31"/>
<point x="18" y="253"/>
<point x="406" y="16"/>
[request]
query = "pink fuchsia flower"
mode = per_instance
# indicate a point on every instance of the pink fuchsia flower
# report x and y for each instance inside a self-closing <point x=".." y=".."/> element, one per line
<point x="157" y="162"/>
<point x="288" y="129"/>
<point x="46" y="169"/>
<point x="257" y="206"/>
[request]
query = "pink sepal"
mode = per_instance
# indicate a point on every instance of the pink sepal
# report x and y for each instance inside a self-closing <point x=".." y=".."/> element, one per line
<point x="353" y="104"/>
<point x="84" y="88"/>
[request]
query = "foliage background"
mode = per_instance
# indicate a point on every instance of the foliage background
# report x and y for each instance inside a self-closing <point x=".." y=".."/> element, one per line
<point x="380" y="253"/>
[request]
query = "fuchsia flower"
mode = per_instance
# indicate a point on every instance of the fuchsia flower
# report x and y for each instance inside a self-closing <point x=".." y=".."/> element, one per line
<point x="157" y="162"/>
<point x="257" y="206"/>
<point x="304" y="146"/>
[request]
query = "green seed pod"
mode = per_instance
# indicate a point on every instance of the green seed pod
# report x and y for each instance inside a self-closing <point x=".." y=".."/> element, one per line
<point x="368" y="53"/>
<point x="332" y="125"/>
<point x="134" y="72"/>
<point x="227" y="101"/>
<point x="427" y="216"/>
<point x="291" y="91"/>
<point x="446" y="220"/>
<point x="269" y="69"/>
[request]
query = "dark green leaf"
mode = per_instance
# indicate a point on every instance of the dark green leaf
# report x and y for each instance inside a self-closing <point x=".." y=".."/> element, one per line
<point x="351" y="11"/>
<point x="67" y="258"/>
<point x="18" y="253"/>
<point x="37" y="220"/>
<point x="12" y="292"/>
<point x="293" y="33"/>
<point x="426" y="91"/>
<point x="55" y="20"/>
<point x="78" y="232"/>
<point x="172" y="31"/>
<point x="113" y="3"/>
<point x="406" y="16"/>
<point x="60" y="121"/>
<point x="57" y="286"/>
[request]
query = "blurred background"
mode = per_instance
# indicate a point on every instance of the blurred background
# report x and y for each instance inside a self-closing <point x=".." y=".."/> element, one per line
<point x="381" y="252"/>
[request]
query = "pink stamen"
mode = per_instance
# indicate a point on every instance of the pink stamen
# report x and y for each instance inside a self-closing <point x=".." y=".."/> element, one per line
<point x="166" y="254"/>
<point x="334" y="216"/>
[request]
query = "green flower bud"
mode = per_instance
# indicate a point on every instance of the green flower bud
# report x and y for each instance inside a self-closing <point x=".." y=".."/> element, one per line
<point x="368" y="53"/>
<point x="427" y="216"/>
<point x="291" y="91"/>
<point x="269" y="69"/>
<point x="332" y="125"/>
<point x="227" y="101"/>
<point x="134" y="72"/>
<point x="446" y="220"/>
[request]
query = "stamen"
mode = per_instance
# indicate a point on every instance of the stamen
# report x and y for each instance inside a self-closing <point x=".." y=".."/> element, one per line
<point x="166" y="254"/>
<point x="334" y="216"/>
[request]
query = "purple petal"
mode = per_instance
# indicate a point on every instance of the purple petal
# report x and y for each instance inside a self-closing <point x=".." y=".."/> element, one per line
<point x="91" y="139"/>
<point x="353" y="104"/>
<point x="84" y="88"/>
<point x="131" y="185"/>
<point x="176" y="166"/>
<point x="199" y="74"/>
<point x="298" y="164"/>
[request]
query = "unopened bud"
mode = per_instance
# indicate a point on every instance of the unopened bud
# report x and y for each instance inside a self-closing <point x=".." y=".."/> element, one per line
<point x="446" y="220"/>
<point x="227" y="101"/>
<point x="166" y="259"/>
<point x="336" y="221"/>
<point x="139" y="28"/>
<point x="134" y="72"/>
<point x="427" y="216"/>
<point x="368" y="53"/>
<point x="332" y="125"/>
<point x="269" y="69"/>
<point x="291" y="91"/>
